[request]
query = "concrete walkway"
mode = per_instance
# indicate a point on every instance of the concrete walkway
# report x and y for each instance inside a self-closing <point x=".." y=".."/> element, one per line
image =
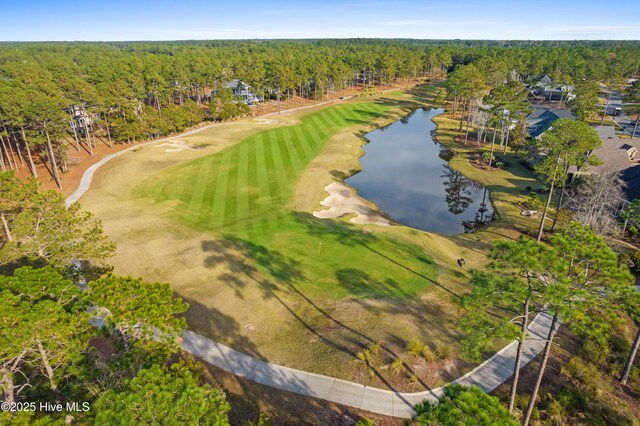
<point x="488" y="375"/>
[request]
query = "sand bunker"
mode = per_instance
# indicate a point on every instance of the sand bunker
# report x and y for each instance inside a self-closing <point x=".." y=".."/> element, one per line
<point x="265" y="121"/>
<point x="342" y="201"/>
<point x="177" y="146"/>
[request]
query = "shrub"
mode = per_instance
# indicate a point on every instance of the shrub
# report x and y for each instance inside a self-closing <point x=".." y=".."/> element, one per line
<point x="563" y="218"/>
<point x="374" y="348"/>
<point x="397" y="365"/>
<point x="534" y="202"/>
<point x="364" y="422"/>
<point x="460" y="405"/>
<point x="428" y="354"/>
<point x="593" y="351"/>
<point x="443" y="351"/>
<point x="587" y="376"/>
<point x="415" y="347"/>
<point x="635" y="258"/>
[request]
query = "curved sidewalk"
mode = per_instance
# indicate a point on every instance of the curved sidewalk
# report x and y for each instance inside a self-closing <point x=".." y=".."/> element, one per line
<point x="488" y="375"/>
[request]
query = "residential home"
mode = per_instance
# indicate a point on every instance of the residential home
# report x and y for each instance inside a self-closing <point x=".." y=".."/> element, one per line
<point x="548" y="90"/>
<point x="80" y="119"/>
<point x="243" y="90"/>
<point x="541" y="118"/>
<point x="617" y="156"/>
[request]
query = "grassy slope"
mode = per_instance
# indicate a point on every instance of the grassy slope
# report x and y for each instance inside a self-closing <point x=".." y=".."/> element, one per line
<point x="242" y="193"/>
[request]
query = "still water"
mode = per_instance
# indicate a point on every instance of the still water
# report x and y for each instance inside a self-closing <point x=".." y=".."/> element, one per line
<point x="405" y="172"/>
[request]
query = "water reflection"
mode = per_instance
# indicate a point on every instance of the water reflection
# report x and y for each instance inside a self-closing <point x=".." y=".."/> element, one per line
<point x="457" y="189"/>
<point x="406" y="173"/>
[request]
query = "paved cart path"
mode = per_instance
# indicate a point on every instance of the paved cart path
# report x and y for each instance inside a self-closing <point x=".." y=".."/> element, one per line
<point x="488" y="375"/>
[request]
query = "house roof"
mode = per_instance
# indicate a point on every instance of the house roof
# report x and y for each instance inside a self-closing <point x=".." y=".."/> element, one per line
<point x="614" y="155"/>
<point x="233" y="84"/>
<point x="541" y="118"/>
<point x="606" y="132"/>
<point x="545" y="80"/>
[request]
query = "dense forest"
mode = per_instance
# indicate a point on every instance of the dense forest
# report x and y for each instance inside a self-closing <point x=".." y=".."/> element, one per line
<point x="60" y="96"/>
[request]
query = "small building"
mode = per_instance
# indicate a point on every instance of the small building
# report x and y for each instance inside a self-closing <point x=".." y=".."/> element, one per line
<point x="541" y="118"/>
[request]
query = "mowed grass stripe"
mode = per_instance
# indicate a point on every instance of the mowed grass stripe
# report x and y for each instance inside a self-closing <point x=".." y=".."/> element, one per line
<point x="285" y="154"/>
<point x="243" y="186"/>
<point x="250" y="182"/>
<point x="334" y="118"/>
<point x="252" y="177"/>
<point x="196" y="201"/>
<point x="230" y="211"/>
<point x="216" y="216"/>
<point x="290" y="144"/>
<point x="300" y="154"/>
<point x="346" y="115"/>
<point x="302" y="139"/>
<point x="278" y="173"/>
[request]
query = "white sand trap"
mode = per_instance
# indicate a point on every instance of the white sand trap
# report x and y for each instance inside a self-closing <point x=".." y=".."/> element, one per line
<point x="342" y="201"/>
<point x="266" y="121"/>
<point x="177" y="146"/>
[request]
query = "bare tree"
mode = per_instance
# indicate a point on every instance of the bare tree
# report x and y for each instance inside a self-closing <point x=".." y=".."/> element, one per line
<point x="595" y="201"/>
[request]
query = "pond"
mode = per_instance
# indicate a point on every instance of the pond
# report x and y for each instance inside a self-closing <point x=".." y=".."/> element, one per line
<point x="406" y="173"/>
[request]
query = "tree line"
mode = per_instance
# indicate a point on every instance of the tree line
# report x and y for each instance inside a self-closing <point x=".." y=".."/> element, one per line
<point x="107" y="343"/>
<point x="60" y="96"/>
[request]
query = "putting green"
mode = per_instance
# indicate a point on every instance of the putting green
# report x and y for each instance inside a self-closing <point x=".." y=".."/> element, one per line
<point x="242" y="194"/>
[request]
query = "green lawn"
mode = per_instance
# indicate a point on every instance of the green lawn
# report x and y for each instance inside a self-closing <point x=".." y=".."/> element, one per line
<point x="243" y="194"/>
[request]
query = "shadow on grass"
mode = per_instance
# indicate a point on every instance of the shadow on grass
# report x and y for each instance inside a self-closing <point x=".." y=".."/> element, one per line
<point x="220" y="327"/>
<point x="234" y="253"/>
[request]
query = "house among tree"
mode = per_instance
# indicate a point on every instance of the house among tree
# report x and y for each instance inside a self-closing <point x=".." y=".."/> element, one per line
<point x="541" y="118"/>
<point x="546" y="89"/>
<point x="80" y="119"/>
<point x="617" y="156"/>
<point x="243" y="90"/>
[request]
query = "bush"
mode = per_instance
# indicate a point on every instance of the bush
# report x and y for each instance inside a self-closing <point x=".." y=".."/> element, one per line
<point x="443" y="351"/>
<point x="593" y="351"/>
<point x="635" y="258"/>
<point x="586" y="376"/>
<point x="534" y="202"/>
<point x="415" y="347"/>
<point x="461" y="405"/>
<point x="563" y="218"/>
<point x="397" y="365"/>
<point x="428" y="354"/>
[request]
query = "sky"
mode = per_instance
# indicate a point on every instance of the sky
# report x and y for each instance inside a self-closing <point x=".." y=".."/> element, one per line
<point x="118" y="20"/>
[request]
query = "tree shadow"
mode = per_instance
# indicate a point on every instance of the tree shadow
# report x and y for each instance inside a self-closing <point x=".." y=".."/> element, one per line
<point x="360" y="284"/>
<point x="219" y="327"/>
<point x="286" y="272"/>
